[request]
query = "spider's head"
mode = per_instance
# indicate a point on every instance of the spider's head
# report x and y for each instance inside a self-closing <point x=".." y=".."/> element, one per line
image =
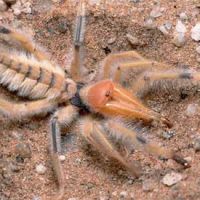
<point x="110" y="99"/>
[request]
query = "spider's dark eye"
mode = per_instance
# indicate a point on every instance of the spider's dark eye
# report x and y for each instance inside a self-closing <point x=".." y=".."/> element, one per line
<point x="107" y="94"/>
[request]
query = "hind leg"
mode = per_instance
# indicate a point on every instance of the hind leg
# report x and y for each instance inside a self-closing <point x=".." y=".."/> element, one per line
<point x="25" y="42"/>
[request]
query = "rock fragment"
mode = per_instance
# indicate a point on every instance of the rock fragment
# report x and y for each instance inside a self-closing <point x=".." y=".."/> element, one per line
<point x="195" y="32"/>
<point x="23" y="150"/>
<point x="156" y="12"/>
<point x="179" y="34"/>
<point x="196" y="145"/>
<point x="198" y="49"/>
<point x="183" y="16"/>
<point x="41" y="169"/>
<point x="171" y="178"/>
<point x="192" y="110"/>
<point x="132" y="39"/>
<point x="123" y="194"/>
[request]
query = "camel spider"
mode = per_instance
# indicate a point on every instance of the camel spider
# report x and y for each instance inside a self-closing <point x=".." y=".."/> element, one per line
<point x="101" y="106"/>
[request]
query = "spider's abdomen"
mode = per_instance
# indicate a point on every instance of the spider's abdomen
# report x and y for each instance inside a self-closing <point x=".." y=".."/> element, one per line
<point x="31" y="78"/>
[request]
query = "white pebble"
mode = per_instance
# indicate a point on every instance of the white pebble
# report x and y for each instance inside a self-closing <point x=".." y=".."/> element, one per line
<point x="198" y="49"/>
<point x="180" y="27"/>
<point x="123" y="194"/>
<point x="192" y="110"/>
<point x="62" y="158"/>
<point x="163" y="29"/>
<point x="41" y="169"/>
<point x="179" y="34"/>
<point x="183" y="16"/>
<point x="168" y="25"/>
<point x="156" y="12"/>
<point x="171" y="178"/>
<point x="195" y="32"/>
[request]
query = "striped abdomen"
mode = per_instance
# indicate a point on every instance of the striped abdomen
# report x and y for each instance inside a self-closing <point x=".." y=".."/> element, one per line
<point x="31" y="78"/>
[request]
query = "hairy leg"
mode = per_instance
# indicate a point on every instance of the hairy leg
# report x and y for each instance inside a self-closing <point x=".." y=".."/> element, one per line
<point x="148" y="78"/>
<point x="78" y="42"/>
<point x="141" y="143"/>
<point x="94" y="133"/>
<point x="62" y="117"/>
<point x="115" y="60"/>
<point x="26" y="43"/>
<point x="26" y="109"/>
<point x="141" y="64"/>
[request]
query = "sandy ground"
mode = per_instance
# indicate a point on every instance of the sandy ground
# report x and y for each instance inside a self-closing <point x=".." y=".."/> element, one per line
<point x="88" y="176"/>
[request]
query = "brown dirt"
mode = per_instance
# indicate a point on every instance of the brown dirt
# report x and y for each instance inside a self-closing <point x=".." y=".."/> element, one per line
<point x="88" y="175"/>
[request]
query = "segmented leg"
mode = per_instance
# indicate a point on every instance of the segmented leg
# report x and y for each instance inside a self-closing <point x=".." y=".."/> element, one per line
<point x="94" y="134"/>
<point x="142" y="64"/>
<point x="62" y="117"/>
<point x="27" y="109"/>
<point x="115" y="60"/>
<point x="24" y="41"/>
<point x="149" y="77"/>
<point x="141" y="143"/>
<point x="78" y="42"/>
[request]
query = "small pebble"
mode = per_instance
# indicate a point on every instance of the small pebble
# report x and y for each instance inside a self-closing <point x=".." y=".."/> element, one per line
<point x="192" y="110"/>
<point x="163" y="29"/>
<point x="179" y="34"/>
<point x="14" y="167"/>
<point x="171" y="178"/>
<point x="149" y="23"/>
<point x="196" y="144"/>
<point x="72" y="198"/>
<point x="133" y="40"/>
<point x="23" y="150"/>
<point x="183" y="16"/>
<point x="36" y="198"/>
<point x="198" y="49"/>
<point x="3" y="6"/>
<point x="180" y="27"/>
<point x="123" y="194"/>
<point x="168" y="134"/>
<point x="148" y="185"/>
<point x="168" y="25"/>
<point x="188" y="159"/>
<point x="62" y="158"/>
<point x="114" y="193"/>
<point x="104" y="195"/>
<point x="112" y="40"/>
<point x="156" y="12"/>
<point x="195" y="32"/>
<point x="41" y="169"/>
<point x="179" y="39"/>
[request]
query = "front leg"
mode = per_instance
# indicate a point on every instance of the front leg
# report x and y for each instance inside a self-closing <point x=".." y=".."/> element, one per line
<point x="63" y="117"/>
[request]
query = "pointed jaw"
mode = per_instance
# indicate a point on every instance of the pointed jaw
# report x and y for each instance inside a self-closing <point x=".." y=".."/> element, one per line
<point x="110" y="99"/>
